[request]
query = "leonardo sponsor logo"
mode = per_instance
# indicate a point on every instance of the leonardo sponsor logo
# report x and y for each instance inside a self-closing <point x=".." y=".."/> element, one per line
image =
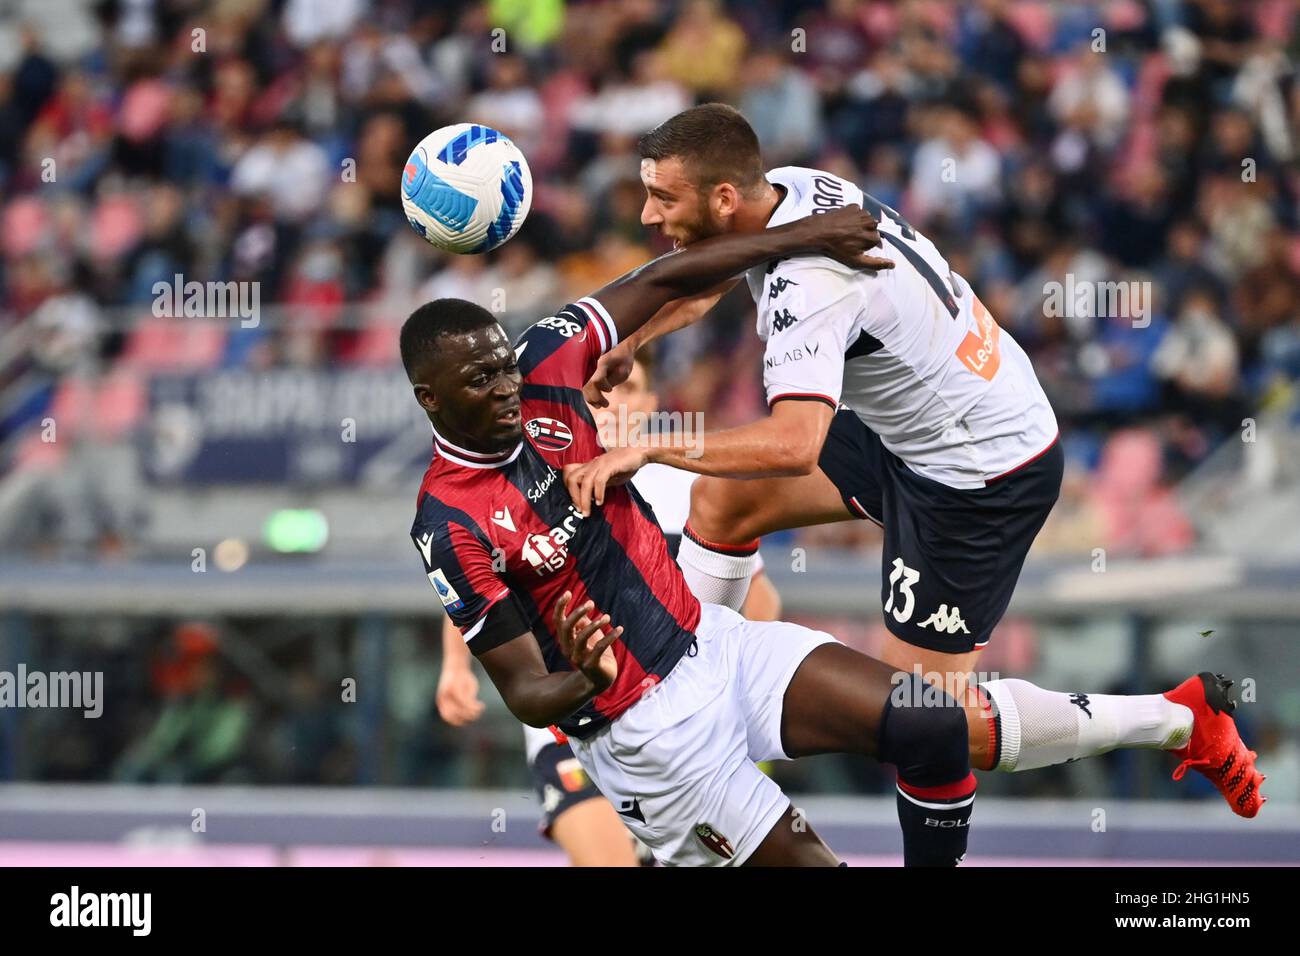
<point x="82" y="690"/>
<point x="74" y="908"/>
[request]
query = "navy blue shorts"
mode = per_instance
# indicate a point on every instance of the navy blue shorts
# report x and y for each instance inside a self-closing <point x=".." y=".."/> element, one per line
<point x="951" y="557"/>
<point x="560" y="783"/>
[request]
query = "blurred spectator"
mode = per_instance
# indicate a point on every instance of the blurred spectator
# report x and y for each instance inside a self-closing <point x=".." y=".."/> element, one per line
<point x="703" y="50"/>
<point x="202" y="731"/>
<point x="955" y="172"/>
<point x="284" y="169"/>
<point x="1001" y="129"/>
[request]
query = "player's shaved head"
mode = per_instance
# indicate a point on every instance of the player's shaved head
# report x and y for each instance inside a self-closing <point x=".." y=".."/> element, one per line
<point x="715" y="143"/>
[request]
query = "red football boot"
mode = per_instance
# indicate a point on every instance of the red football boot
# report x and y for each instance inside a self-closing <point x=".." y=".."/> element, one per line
<point x="1216" y="749"/>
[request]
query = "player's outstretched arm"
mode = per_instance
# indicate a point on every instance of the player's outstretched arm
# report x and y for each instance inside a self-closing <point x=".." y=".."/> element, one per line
<point x="842" y="234"/>
<point x="785" y="444"/>
<point x="615" y="365"/>
<point x="538" y="698"/>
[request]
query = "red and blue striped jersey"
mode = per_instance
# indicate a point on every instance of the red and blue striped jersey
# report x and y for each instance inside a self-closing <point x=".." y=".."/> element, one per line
<point x="493" y="528"/>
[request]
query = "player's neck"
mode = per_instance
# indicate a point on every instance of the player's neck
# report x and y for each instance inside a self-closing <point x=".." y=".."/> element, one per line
<point x="457" y="442"/>
<point x="754" y="214"/>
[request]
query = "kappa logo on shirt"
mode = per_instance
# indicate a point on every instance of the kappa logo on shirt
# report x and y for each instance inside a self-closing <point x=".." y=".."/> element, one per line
<point x="782" y="319"/>
<point x="779" y="285"/>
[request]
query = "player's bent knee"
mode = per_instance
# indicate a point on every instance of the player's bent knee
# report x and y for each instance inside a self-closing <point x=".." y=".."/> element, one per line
<point x="923" y="733"/>
<point x="721" y="511"/>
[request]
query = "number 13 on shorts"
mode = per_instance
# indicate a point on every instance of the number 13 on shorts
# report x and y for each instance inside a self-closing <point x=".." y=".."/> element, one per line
<point x="908" y="576"/>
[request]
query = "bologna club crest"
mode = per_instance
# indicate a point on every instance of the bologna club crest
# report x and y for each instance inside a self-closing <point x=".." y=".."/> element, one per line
<point x="548" y="434"/>
<point x="714" y="841"/>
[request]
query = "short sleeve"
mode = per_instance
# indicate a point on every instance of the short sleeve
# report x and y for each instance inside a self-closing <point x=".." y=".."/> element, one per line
<point x="563" y="349"/>
<point x="460" y="568"/>
<point x="806" y="312"/>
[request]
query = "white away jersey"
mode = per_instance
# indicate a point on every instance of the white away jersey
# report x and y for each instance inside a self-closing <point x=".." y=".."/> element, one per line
<point x="911" y="350"/>
<point x="668" y="490"/>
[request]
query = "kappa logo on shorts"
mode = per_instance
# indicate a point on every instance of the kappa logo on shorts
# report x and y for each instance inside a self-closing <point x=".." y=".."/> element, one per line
<point x="714" y="841"/>
<point x="549" y="434"/>
<point x="945" y="621"/>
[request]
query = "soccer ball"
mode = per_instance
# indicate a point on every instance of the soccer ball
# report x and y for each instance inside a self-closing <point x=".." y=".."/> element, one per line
<point x="466" y="188"/>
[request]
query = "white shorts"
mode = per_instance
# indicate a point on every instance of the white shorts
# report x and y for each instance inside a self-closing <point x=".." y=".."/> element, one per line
<point x="678" y="765"/>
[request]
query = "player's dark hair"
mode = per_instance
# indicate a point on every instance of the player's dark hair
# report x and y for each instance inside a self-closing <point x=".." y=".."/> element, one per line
<point x="715" y="143"/>
<point x="432" y="321"/>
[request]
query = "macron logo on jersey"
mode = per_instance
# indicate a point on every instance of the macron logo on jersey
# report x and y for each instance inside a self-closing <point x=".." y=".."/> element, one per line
<point x="425" y="543"/>
<point x="501" y="518"/>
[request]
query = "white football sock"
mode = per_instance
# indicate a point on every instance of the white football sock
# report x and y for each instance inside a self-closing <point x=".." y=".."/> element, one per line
<point x="717" y="577"/>
<point x="1039" y="728"/>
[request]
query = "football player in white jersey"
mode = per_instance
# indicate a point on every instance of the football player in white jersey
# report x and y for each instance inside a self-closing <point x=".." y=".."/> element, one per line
<point x="895" y="398"/>
<point x="574" y="814"/>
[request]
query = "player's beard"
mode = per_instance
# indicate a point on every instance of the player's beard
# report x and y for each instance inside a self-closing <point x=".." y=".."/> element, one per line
<point x="704" y="226"/>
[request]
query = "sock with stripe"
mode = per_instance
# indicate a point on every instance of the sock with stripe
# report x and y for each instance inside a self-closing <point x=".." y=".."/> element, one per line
<point x="928" y="743"/>
<point x="1038" y="728"/>
<point x="717" y="573"/>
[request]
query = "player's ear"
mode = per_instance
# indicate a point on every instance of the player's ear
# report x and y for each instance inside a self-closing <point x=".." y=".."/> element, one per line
<point x="425" y="396"/>
<point x="726" y="199"/>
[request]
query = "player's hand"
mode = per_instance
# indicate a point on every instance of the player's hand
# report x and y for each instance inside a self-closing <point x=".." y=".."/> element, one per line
<point x="842" y="234"/>
<point x="581" y="641"/>
<point x="588" y="481"/>
<point x="457" y="697"/>
<point x="611" y="371"/>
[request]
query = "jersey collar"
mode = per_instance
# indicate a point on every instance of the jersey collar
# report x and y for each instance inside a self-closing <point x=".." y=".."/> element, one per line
<point x="473" y="459"/>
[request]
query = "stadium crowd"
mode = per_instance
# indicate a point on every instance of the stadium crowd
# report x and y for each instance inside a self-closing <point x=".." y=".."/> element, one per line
<point x="1042" y="145"/>
<point x="1149" y="144"/>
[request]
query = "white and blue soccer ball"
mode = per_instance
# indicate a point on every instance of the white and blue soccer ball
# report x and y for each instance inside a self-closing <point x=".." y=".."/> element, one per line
<point x="466" y="188"/>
